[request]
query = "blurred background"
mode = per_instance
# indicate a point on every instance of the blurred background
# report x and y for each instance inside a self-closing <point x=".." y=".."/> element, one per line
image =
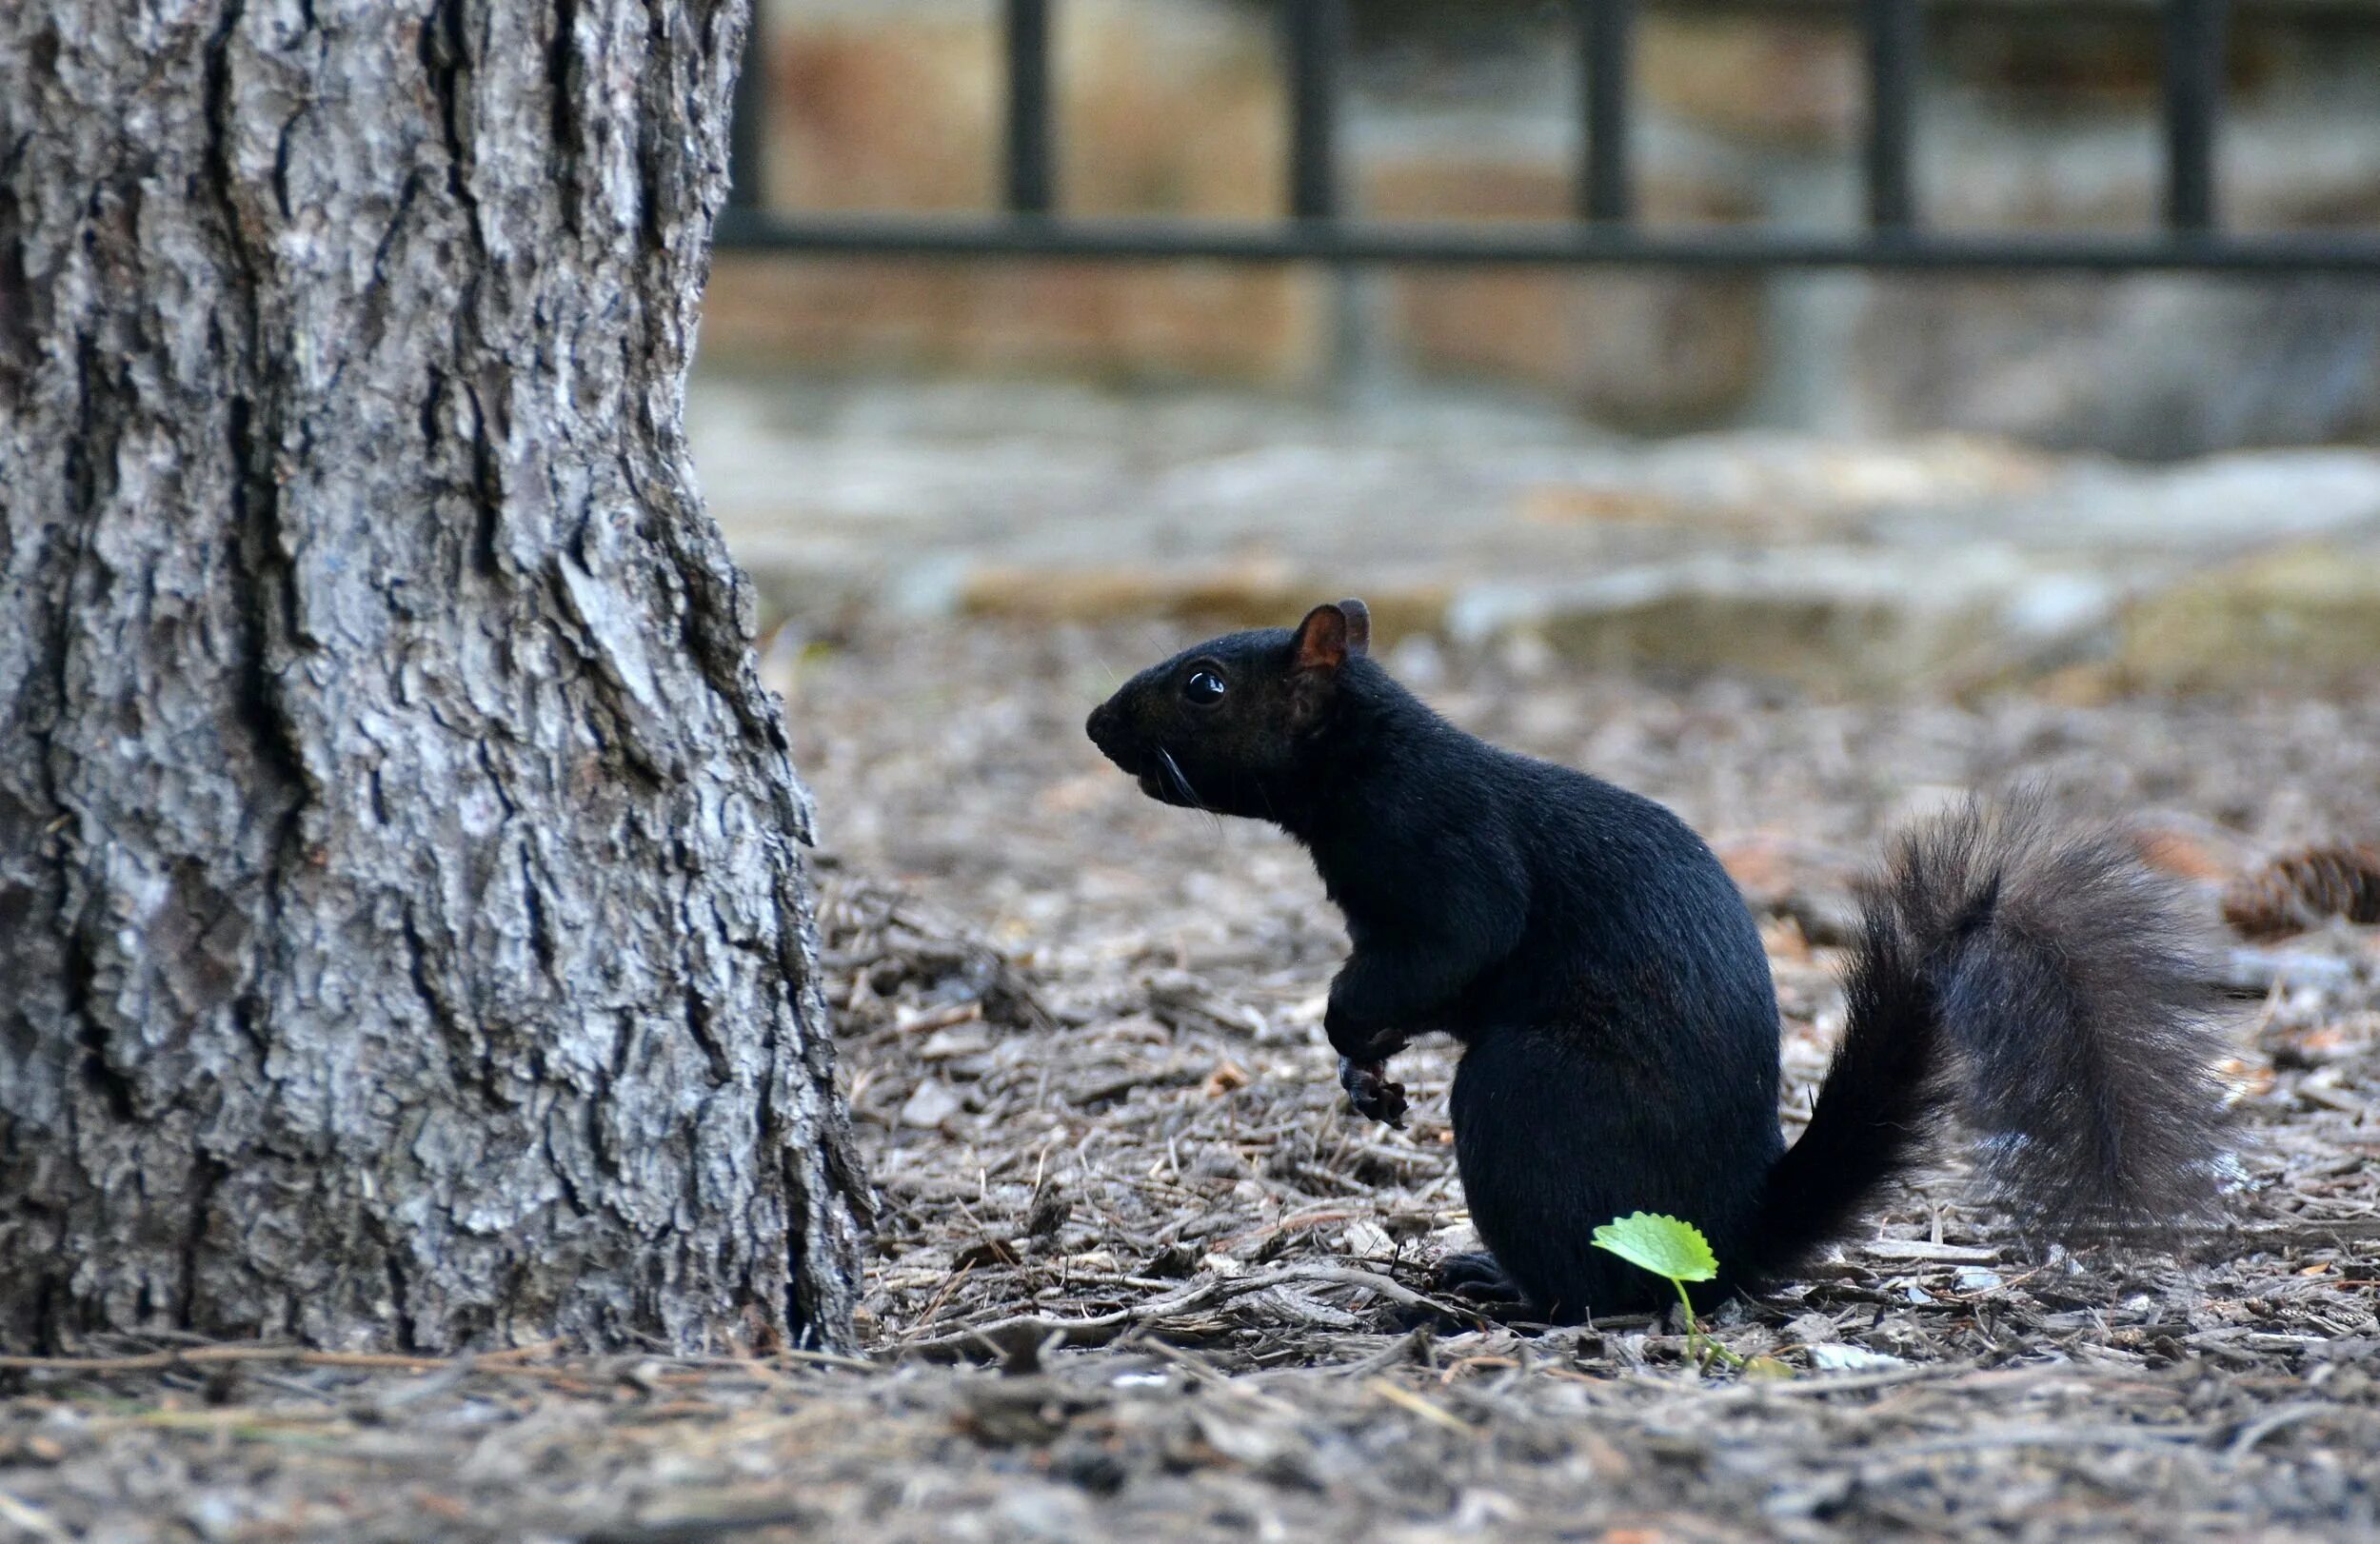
<point x="1850" y="477"/>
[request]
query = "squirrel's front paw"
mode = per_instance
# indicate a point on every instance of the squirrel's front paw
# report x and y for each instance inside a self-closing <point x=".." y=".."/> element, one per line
<point x="1370" y="1092"/>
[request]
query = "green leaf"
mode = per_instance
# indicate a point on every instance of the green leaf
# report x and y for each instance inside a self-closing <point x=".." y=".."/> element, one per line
<point x="1664" y="1245"/>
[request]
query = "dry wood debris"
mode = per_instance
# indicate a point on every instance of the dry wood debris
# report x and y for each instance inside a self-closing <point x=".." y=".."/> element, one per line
<point x="1138" y="1275"/>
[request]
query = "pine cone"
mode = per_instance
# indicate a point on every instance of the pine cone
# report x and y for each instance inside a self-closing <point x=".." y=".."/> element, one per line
<point x="2292" y="894"/>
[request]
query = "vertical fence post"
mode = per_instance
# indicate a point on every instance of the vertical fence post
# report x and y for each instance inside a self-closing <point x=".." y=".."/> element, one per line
<point x="1029" y="180"/>
<point x="748" y="117"/>
<point x="2193" y="95"/>
<point x="1605" y="34"/>
<point x="1895" y="47"/>
<point x="1315" y="35"/>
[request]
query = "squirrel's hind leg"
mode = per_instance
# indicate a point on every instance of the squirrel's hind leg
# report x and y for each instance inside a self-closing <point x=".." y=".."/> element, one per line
<point x="1549" y="1149"/>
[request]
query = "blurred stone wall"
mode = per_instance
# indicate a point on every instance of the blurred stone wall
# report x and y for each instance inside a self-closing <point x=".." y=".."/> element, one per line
<point x="2034" y="116"/>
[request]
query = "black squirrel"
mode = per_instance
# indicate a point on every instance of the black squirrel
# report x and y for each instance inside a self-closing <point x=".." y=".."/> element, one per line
<point x="1617" y="1016"/>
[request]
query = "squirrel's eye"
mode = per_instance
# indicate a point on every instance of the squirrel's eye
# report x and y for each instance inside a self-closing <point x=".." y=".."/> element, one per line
<point x="1205" y="688"/>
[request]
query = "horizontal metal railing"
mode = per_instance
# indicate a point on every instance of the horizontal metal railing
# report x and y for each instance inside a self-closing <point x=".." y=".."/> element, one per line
<point x="1606" y="230"/>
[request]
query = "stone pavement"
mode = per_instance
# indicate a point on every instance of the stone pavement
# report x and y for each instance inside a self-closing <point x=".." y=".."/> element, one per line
<point x="1943" y="562"/>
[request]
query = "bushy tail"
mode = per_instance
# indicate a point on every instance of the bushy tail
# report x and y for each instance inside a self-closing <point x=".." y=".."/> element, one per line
<point x="2038" y="979"/>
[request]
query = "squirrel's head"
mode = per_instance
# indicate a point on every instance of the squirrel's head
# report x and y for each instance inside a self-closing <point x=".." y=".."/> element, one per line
<point x="1229" y="725"/>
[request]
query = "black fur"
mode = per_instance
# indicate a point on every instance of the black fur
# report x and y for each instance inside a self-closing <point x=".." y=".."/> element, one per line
<point x="1609" y="987"/>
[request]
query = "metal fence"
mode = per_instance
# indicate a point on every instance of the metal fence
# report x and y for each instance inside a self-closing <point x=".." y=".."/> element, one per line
<point x="1316" y="226"/>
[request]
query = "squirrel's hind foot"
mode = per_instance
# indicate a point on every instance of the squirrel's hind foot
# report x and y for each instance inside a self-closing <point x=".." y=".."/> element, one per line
<point x="1486" y="1294"/>
<point x="1475" y="1277"/>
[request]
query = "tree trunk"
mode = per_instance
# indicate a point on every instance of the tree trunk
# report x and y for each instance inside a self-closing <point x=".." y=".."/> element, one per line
<point x="403" y="925"/>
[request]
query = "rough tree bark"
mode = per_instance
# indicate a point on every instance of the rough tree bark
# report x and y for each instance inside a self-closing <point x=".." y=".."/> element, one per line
<point x="404" y="938"/>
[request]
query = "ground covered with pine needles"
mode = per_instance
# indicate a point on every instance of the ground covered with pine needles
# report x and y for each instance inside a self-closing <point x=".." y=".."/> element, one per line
<point x="1137" y="1273"/>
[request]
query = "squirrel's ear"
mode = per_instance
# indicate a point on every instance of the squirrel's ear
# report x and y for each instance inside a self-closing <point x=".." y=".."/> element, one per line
<point x="1326" y="638"/>
<point x="1359" y="625"/>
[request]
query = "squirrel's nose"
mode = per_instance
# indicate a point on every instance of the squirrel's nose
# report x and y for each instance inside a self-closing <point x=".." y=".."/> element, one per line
<point x="1106" y="729"/>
